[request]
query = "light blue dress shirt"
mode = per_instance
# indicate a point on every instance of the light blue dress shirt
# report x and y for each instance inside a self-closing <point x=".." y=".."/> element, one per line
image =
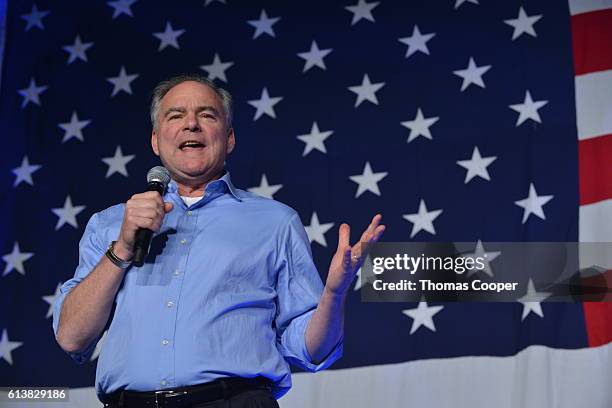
<point x="228" y="290"/>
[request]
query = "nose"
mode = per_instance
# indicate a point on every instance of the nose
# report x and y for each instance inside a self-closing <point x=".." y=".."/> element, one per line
<point x="191" y="123"/>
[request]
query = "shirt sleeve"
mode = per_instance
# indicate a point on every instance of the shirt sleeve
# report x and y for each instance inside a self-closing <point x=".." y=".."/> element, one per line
<point x="299" y="288"/>
<point x="90" y="253"/>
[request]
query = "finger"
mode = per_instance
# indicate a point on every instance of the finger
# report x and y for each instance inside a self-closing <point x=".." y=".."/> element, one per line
<point x="147" y="195"/>
<point x="361" y="249"/>
<point x="378" y="233"/>
<point x="151" y="194"/>
<point x="146" y="203"/>
<point x="168" y="207"/>
<point x="145" y="222"/>
<point x="347" y="258"/>
<point x="343" y="236"/>
<point x="369" y="232"/>
<point x="143" y="213"/>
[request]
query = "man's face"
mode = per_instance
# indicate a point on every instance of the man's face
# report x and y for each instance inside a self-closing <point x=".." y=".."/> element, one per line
<point x="192" y="138"/>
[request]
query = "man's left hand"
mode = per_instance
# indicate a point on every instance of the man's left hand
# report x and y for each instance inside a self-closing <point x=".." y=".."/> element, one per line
<point x="348" y="259"/>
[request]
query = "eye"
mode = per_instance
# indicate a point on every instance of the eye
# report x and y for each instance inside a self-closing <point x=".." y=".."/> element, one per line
<point x="174" y="117"/>
<point x="208" y="116"/>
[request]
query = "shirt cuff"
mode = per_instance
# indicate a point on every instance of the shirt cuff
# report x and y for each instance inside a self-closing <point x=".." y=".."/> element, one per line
<point x="296" y="352"/>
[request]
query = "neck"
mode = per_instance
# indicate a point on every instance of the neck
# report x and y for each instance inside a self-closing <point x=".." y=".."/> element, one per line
<point x="190" y="189"/>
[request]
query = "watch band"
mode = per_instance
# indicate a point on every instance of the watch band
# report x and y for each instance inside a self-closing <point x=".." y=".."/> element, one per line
<point x="110" y="254"/>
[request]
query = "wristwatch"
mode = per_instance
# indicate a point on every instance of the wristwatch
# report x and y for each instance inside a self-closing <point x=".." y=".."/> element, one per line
<point x="110" y="254"/>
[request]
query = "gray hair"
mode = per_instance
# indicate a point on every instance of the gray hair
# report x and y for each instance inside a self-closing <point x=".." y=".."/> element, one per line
<point x="165" y="86"/>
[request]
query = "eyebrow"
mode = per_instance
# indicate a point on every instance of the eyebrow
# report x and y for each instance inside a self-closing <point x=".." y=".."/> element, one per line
<point x="198" y="110"/>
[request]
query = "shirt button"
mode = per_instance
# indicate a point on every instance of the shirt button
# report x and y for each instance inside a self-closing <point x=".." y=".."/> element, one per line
<point x="164" y="382"/>
<point x="183" y="241"/>
<point x="189" y="212"/>
<point x="177" y="272"/>
<point x="165" y="342"/>
<point x="170" y="304"/>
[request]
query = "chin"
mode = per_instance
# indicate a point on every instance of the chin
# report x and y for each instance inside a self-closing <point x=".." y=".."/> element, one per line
<point x="196" y="172"/>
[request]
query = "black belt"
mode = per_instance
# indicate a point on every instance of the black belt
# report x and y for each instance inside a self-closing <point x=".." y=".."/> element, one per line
<point x="222" y="388"/>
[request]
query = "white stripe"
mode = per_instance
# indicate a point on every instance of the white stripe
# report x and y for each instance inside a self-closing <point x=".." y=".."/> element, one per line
<point x="594" y="104"/>
<point x="596" y="222"/>
<point x="538" y="377"/>
<point x="585" y="6"/>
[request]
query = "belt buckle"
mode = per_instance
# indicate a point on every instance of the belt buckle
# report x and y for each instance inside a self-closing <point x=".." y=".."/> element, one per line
<point x="166" y="395"/>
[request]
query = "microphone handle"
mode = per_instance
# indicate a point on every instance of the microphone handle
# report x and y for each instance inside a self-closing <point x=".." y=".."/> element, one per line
<point x="142" y="241"/>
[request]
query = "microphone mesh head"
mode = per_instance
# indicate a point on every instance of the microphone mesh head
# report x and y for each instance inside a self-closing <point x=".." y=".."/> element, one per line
<point x="160" y="175"/>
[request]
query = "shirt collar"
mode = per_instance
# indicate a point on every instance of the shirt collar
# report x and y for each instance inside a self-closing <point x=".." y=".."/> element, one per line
<point x="223" y="182"/>
<point x="230" y="186"/>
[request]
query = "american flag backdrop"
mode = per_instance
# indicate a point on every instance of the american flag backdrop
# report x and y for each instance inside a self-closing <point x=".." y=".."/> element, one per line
<point x="458" y="120"/>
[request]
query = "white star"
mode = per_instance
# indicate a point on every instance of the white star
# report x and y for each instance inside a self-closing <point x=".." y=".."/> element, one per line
<point x="422" y="315"/>
<point x="74" y="128"/>
<point x="533" y="204"/>
<point x="265" y="104"/>
<point x="264" y="189"/>
<point x="77" y="50"/>
<point x="487" y="258"/>
<point x="117" y="163"/>
<point x="360" y="282"/>
<point x="34" y="19"/>
<point x="67" y="214"/>
<point x="368" y="181"/>
<point x="217" y="68"/>
<point x="24" y="172"/>
<point x="6" y="347"/>
<point x="476" y="166"/>
<point x="528" y="109"/>
<point x="362" y="10"/>
<point x="51" y="300"/>
<point x="472" y="74"/>
<point x="31" y="93"/>
<point x="460" y="2"/>
<point x="531" y="301"/>
<point x="315" y="140"/>
<point x="15" y="260"/>
<point x="314" y="57"/>
<point x="523" y="24"/>
<point x="121" y="7"/>
<point x="211" y="1"/>
<point x="169" y="37"/>
<point x="122" y="82"/>
<point x="263" y="25"/>
<point x="422" y="220"/>
<point x="366" y="91"/>
<point x="417" y="42"/>
<point x="99" y="345"/>
<point x="316" y="232"/>
<point x="419" y="126"/>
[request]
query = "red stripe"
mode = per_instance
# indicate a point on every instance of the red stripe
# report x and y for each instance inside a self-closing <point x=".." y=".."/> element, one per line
<point x="598" y="318"/>
<point x="592" y="41"/>
<point x="598" y="315"/>
<point x="595" y="167"/>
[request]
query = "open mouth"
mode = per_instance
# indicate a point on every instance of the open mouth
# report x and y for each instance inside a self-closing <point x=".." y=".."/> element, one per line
<point x="191" y="145"/>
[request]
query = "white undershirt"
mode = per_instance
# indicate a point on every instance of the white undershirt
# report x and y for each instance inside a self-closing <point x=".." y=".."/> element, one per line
<point x="190" y="200"/>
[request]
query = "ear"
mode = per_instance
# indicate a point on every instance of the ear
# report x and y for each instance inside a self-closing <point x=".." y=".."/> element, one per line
<point x="231" y="141"/>
<point x="154" y="142"/>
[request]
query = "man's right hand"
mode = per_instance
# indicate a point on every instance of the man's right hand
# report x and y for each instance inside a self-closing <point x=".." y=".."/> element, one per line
<point x="143" y="210"/>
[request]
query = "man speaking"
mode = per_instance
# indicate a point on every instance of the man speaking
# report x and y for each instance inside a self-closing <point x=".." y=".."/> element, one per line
<point x="228" y="294"/>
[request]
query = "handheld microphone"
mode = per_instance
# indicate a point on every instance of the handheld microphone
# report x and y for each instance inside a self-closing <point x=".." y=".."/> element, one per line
<point x="157" y="180"/>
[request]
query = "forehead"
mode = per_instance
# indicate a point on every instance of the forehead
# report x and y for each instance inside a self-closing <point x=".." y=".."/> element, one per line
<point x="190" y="93"/>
